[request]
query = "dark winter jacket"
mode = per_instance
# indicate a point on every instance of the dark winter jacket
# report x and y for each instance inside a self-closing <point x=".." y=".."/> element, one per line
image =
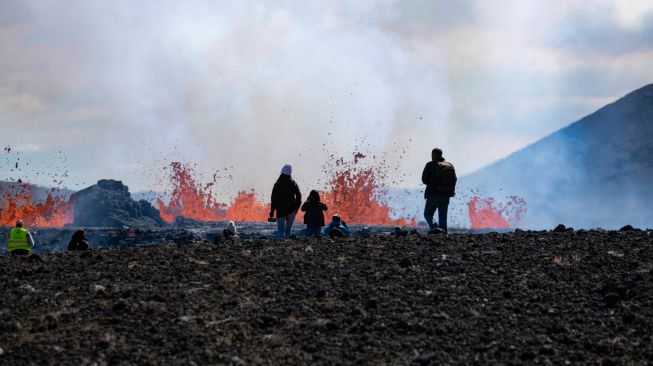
<point x="286" y="197"/>
<point x="427" y="178"/>
<point x="78" y="241"/>
<point x="314" y="215"/>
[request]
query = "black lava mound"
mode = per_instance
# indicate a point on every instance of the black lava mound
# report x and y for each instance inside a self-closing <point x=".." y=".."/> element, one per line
<point x="558" y="298"/>
<point x="109" y="204"/>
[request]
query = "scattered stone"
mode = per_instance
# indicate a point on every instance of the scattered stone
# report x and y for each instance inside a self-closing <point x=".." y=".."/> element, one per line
<point x="400" y="232"/>
<point x="27" y="287"/>
<point x="627" y="228"/>
<point x="405" y="262"/>
<point x="560" y="229"/>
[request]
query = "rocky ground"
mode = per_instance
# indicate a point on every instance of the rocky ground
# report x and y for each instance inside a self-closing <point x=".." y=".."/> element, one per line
<point x="524" y="297"/>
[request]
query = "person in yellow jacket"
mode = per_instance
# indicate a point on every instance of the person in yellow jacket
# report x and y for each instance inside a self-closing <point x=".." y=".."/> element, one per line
<point x="20" y="240"/>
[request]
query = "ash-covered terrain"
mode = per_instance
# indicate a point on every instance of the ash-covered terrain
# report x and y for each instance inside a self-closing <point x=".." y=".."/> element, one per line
<point x="525" y="297"/>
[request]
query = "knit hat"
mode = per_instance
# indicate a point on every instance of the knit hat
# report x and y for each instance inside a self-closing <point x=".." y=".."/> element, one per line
<point x="287" y="169"/>
<point x="231" y="227"/>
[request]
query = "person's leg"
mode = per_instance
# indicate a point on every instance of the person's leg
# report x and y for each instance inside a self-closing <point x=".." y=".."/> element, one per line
<point x="429" y="211"/>
<point x="281" y="223"/>
<point x="309" y="231"/>
<point x="20" y="252"/>
<point x="289" y="220"/>
<point x="442" y="212"/>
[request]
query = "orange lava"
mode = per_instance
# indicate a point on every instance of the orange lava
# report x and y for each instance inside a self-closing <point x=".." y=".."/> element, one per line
<point x="247" y="207"/>
<point x="188" y="198"/>
<point x="484" y="213"/>
<point x="353" y="192"/>
<point x="55" y="211"/>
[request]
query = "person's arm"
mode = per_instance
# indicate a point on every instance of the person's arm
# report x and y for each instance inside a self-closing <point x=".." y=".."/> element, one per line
<point x="298" y="196"/>
<point x="30" y="240"/>
<point x="304" y="206"/>
<point x="324" y="206"/>
<point x="426" y="174"/>
<point x="274" y="199"/>
<point x="345" y="228"/>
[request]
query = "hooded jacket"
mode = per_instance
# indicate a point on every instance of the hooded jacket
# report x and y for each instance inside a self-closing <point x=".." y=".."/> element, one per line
<point x="286" y="197"/>
<point x="314" y="209"/>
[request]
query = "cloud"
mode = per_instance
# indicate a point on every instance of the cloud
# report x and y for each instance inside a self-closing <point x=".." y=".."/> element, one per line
<point x="607" y="29"/>
<point x="255" y="84"/>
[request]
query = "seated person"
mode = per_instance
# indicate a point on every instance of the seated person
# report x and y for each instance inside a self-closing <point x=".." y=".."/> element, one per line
<point x="337" y="228"/>
<point x="78" y="241"/>
<point x="230" y="232"/>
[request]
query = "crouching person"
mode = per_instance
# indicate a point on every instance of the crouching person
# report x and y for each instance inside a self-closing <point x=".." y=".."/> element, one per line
<point x="230" y="232"/>
<point x="78" y="241"/>
<point x="20" y="240"/>
<point x="314" y="214"/>
<point x="337" y="228"/>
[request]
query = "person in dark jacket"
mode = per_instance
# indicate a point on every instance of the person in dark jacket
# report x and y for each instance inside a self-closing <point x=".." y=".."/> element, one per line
<point x="78" y="241"/>
<point x="314" y="214"/>
<point x="439" y="176"/>
<point x="286" y="199"/>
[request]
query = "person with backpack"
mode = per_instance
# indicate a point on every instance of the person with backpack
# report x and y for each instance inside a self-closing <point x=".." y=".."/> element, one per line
<point x="440" y="178"/>
<point x="314" y="214"/>
<point x="286" y="199"/>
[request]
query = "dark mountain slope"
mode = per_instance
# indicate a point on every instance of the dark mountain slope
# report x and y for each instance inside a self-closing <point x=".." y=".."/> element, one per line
<point x="597" y="171"/>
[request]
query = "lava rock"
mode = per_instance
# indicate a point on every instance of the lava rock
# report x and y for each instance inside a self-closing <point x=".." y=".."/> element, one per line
<point x="627" y="228"/>
<point x="109" y="204"/>
<point x="560" y="229"/>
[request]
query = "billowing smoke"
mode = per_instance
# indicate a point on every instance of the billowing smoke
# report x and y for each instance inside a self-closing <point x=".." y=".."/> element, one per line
<point x="247" y="86"/>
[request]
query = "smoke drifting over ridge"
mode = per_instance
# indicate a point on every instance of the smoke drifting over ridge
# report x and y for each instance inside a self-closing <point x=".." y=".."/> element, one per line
<point x="239" y="85"/>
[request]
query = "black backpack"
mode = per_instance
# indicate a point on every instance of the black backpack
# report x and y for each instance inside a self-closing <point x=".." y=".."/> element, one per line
<point x="444" y="179"/>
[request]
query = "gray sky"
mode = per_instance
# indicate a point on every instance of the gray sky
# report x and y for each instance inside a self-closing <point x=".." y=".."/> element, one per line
<point x="123" y="87"/>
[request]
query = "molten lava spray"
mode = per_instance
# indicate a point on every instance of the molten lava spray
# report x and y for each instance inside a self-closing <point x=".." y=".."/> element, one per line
<point x="485" y="213"/>
<point x="188" y="198"/>
<point x="247" y="207"/>
<point x="352" y="191"/>
<point x="55" y="211"/>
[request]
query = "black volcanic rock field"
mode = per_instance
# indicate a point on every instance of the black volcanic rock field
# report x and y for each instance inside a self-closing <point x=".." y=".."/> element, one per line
<point x="514" y="298"/>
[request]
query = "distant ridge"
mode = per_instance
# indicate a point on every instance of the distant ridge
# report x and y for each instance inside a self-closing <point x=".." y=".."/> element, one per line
<point x="597" y="171"/>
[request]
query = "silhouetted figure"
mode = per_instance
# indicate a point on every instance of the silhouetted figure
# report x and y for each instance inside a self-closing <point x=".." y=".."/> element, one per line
<point x="230" y="232"/>
<point x="20" y="241"/>
<point x="337" y="228"/>
<point x="78" y="241"/>
<point x="286" y="199"/>
<point x="314" y="214"/>
<point x="439" y="176"/>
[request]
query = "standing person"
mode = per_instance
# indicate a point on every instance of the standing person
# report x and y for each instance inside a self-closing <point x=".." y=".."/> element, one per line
<point x="286" y="199"/>
<point x="314" y="216"/>
<point x="439" y="176"/>
<point x="20" y="240"/>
